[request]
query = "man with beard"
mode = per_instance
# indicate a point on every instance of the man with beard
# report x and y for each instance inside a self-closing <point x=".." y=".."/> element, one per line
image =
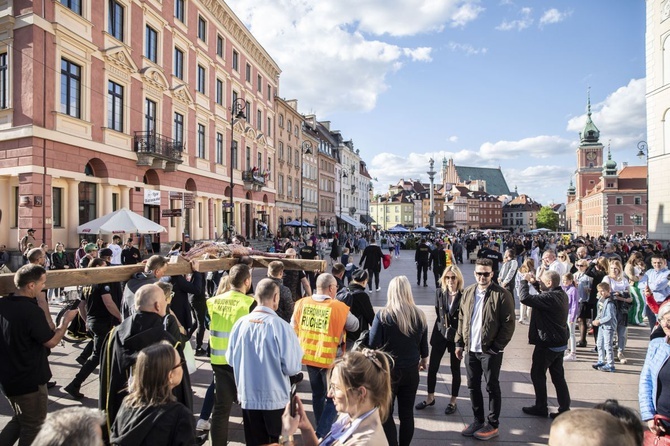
<point x="143" y="328"/>
<point x="549" y="333"/>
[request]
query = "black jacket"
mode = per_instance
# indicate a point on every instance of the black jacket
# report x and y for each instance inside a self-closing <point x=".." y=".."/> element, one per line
<point x="438" y="259"/>
<point x="361" y="307"/>
<point x="548" y="320"/>
<point x="446" y="323"/>
<point x="421" y="254"/>
<point x="169" y="424"/>
<point x="372" y="258"/>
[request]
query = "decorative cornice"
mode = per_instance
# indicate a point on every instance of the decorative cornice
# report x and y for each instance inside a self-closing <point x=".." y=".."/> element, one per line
<point x="181" y="94"/>
<point x="120" y="58"/>
<point x="242" y="36"/>
<point x="155" y="78"/>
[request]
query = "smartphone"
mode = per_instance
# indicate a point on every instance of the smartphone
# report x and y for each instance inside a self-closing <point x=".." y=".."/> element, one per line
<point x="292" y="400"/>
<point x="74" y="304"/>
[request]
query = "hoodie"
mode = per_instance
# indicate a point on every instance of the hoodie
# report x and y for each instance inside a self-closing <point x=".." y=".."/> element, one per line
<point x="134" y="284"/>
<point x="169" y="424"/>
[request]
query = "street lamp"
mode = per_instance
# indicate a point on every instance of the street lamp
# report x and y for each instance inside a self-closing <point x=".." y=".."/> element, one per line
<point x="236" y="112"/>
<point x="643" y="154"/>
<point x="635" y="218"/>
<point x="343" y="174"/>
<point x="306" y="149"/>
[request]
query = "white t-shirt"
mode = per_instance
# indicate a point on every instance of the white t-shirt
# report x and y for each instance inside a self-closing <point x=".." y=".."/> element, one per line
<point x="116" y="253"/>
<point x="476" y="322"/>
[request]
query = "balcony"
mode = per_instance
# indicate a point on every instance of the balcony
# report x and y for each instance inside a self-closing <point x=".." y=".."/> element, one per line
<point x="254" y="179"/>
<point x="157" y="151"/>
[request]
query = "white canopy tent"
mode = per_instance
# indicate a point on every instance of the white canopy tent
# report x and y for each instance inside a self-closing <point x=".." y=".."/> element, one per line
<point x="120" y="222"/>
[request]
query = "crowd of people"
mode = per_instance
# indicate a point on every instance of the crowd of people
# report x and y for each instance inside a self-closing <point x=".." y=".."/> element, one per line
<point x="361" y="364"/>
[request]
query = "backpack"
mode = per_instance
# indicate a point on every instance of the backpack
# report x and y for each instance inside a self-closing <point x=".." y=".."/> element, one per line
<point x="346" y="296"/>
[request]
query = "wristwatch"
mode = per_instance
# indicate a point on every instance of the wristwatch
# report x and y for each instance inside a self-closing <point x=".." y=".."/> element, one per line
<point x="285" y="440"/>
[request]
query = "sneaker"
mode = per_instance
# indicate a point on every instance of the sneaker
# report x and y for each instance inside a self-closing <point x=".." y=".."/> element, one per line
<point x="597" y="365"/>
<point x="581" y="344"/>
<point x="486" y="433"/>
<point x="471" y="429"/>
<point x="200" y="352"/>
<point x="379" y="288"/>
<point x="535" y="411"/>
<point x="622" y="358"/>
<point x="570" y="357"/>
<point x="607" y="368"/>
<point x="594" y="350"/>
<point x="203" y="425"/>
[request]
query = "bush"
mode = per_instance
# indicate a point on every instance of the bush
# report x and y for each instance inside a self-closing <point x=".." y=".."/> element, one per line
<point x="410" y="243"/>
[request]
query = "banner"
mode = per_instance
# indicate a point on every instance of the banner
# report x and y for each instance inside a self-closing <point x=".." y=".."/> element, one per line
<point x="152" y="197"/>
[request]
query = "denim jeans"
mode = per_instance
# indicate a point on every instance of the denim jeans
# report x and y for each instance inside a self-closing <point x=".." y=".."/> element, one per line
<point x="488" y="366"/>
<point x="207" y="403"/>
<point x="651" y="317"/>
<point x="605" y="349"/>
<point x="404" y="384"/>
<point x="30" y="410"/>
<point x="324" y="408"/>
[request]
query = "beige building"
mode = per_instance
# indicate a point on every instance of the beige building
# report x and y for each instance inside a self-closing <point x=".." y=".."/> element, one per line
<point x="289" y="161"/>
<point x="658" y="117"/>
<point x="134" y="103"/>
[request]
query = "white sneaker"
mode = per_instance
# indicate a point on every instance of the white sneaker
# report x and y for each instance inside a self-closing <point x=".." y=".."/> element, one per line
<point x="203" y="425"/>
<point x="622" y="358"/>
<point x="570" y="357"/>
<point x="379" y="288"/>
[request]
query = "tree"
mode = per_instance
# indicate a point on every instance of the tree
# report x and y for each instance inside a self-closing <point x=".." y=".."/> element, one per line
<point x="547" y="218"/>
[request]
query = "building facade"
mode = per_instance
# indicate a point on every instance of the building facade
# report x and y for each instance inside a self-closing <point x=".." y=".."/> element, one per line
<point x="658" y="113"/>
<point x="288" y="136"/>
<point x="520" y="214"/>
<point x="136" y="105"/>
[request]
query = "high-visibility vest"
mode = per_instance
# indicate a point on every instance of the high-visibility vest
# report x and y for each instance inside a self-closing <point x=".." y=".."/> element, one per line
<point x="320" y="326"/>
<point x="224" y="311"/>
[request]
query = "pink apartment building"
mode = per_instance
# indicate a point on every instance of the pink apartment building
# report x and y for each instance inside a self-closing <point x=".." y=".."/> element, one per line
<point x="126" y="104"/>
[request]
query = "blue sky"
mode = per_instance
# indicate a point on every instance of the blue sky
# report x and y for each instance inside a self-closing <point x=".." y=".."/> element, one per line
<point x="489" y="83"/>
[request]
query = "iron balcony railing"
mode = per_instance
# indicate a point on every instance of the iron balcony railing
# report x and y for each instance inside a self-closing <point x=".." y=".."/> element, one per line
<point x="159" y="145"/>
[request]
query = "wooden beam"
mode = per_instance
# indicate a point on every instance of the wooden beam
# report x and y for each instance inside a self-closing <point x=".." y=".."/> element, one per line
<point x="88" y="276"/>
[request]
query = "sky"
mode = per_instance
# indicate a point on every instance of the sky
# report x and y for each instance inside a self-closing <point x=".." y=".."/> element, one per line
<point x="486" y="82"/>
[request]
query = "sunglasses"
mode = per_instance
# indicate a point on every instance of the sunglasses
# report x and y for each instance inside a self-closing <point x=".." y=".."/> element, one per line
<point x="181" y="364"/>
<point x="450" y="277"/>
<point x="480" y="274"/>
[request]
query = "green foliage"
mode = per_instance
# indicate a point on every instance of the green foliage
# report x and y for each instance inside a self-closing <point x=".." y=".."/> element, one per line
<point x="410" y="243"/>
<point x="547" y="218"/>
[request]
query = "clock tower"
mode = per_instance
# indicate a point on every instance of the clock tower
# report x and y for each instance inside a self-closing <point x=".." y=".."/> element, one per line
<point x="589" y="156"/>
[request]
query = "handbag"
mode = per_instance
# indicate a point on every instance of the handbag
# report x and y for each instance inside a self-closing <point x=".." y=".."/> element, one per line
<point x="386" y="260"/>
<point x="189" y="357"/>
<point x="651" y="439"/>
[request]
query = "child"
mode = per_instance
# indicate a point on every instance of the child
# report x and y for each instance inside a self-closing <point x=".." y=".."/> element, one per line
<point x="573" y="311"/>
<point x="607" y="323"/>
<point x="349" y="270"/>
<point x="345" y="256"/>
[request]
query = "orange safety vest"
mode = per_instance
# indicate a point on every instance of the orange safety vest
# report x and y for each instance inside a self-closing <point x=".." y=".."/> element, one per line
<point x="320" y="326"/>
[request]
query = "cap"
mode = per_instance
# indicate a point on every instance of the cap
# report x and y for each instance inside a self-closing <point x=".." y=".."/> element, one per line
<point x="106" y="252"/>
<point x="31" y="230"/>
<point x="90" y="247"/>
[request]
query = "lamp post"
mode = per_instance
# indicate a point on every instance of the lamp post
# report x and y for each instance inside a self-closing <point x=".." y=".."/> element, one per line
<point x="236" y="112"/>
<point x="643" y="154"/>
<point x="343" y="174"/>
<point x="306" y="149"/>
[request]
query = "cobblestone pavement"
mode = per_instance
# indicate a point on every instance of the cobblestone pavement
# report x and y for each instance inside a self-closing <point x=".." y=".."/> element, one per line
<point x="587" y="386"/>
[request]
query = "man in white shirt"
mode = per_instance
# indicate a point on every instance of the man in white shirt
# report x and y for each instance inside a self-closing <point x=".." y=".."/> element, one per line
<point x="486" y="322"/>
<point x="115" y="246"/>
<point x="550" y="263"/>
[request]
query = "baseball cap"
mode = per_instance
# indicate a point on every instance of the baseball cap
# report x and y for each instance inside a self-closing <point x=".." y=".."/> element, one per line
<point x="90" y="247"/>
<point x="31" y="230"/>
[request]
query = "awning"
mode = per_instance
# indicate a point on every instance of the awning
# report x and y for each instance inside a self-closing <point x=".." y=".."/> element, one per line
<point x="365" y="219"/>
<point x="352" y="222"/>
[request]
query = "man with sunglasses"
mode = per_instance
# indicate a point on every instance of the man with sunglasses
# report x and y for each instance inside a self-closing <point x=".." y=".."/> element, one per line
<point x="486" y="324"/>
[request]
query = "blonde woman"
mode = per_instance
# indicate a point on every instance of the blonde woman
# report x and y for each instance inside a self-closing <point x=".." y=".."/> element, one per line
<point x="447" y="303"/>
<point x="528" y="266"/>
<point x="619" y="289"/>
<point x="400" y="328"/>
<point x="360" y="386"/>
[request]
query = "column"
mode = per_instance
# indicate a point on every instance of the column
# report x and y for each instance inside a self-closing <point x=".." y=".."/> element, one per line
<point x="106" y="199"/>
<point x="72" y="217"/>
<point x="124" y="191"/>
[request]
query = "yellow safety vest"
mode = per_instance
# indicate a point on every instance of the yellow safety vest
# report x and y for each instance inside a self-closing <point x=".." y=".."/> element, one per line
<point x="224" y="311"/>
<point x="319" y="326"/>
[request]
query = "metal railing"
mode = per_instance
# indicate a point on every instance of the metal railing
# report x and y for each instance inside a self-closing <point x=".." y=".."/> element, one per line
<point x="160" y="145"/>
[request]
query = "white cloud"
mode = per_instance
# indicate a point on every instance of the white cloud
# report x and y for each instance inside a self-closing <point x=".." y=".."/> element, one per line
<point x="553" y="15"/>
<point x="337" y="46"/>
<point x="536" y="147"/>
<point x="621" y="117"/>
<point x="520" y="24"/>
<point x="467" y="48"/>
<point x="453" y="138"/>
<point x="540" y="182"/>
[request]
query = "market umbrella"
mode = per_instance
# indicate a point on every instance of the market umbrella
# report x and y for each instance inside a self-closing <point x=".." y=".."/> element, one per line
<point x="422" y="230"/>
<point x="307" y="224"/>
<point x="120" y="222"/>
<point x="398" y="229"/>
<point x="293" y="223"/>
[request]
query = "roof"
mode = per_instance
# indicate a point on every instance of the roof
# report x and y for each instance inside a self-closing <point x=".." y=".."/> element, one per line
<point x="633" y="172"/>
<point x="495" y="181"/>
